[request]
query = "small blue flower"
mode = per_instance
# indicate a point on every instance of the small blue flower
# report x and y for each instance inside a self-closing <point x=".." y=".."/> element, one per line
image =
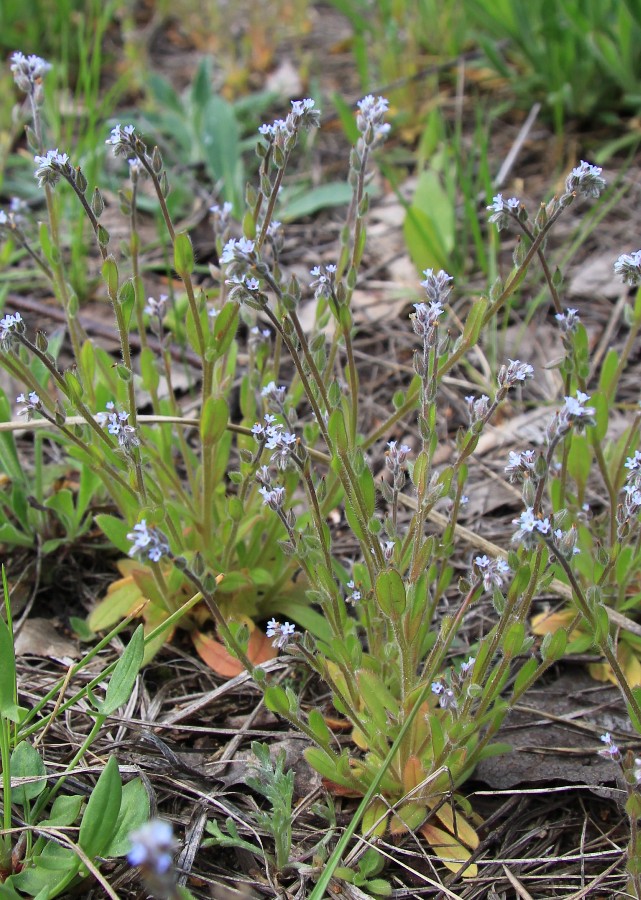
<point x="152" y="846"/>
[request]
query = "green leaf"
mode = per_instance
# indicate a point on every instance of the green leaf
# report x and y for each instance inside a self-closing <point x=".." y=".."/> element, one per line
<point x="115" y="530"/>
<point x="346" y="115"/>
<point x="100" y="818"/>
<point x="134" y="812"/>
<point x="513" y="640"/>
<point x="8" y="707"/>
<point x="220" y="141"/>
<point x="378" y="700"/>
<point x="124" y="675"/>
<point x="201" y="90"/>
<point x="311" y="200"/>
<point x="9" y="459"/>
<point x="213" y="420"/>
<point x="110" y="274"/>
<point x="390" y="593"/>
<point x="300" y="612"/>
<point x="609" y="367"/>
<point x="26" y="762"/>
<point x="554" y="644"/>
<point x="55" y="868"/>
<point x="337" y="430"/>
<point x="525" y="673"/>
<point x="64" y="811"/>
<point x="423" y="240"/>
<point x="318" y="725"/>
<point x="368" y="490"/>
<point x="276" y="700"/>
<point x="149" y="369"/>
<point x="225" y="326"/>
<point x="127" y="300"/>
<point x="183" y="255"/>
<point x="474" y="322"/>
<point x="326" y="764"/>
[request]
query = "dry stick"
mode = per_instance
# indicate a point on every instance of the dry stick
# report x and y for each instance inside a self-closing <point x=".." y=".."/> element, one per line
<point x="515" y="149"/>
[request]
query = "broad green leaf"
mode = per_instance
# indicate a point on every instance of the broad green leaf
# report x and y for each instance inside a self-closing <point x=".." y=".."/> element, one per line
<point x="513" y="640"/>
<point x="423" y="240"/>
<point x="26" y="762"/>
<point x="318" y="725"/>
<point x="276" y="700"/>
<point x="115" y="530"/>
<point x="608" y="372"/>
<point x="9" y="460"/>
<point x="390" y="593"/>
<point x="110" y="274"/>
<point x="311" y="200"/>
<point x="134" y="812"/>
<point x="225" y="326"/>
<point x="100" y="817"/>
<point x="337" y="431"/>
<point x="213" y="420"/>
<point x="368" y="490"/>
<point x="220" y="140"/>
<point x="300" y="612"/>
<point x="55" y="868"/>
<point x="327" y="765"/>
<point x="64" y="811"/>
<point x="525" y="673"/>
<point x="183" y="254"/>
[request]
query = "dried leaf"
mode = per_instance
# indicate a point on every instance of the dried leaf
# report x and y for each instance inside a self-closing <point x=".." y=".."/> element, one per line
<point x="452" y="853"/>
<point x="216" y="656"/>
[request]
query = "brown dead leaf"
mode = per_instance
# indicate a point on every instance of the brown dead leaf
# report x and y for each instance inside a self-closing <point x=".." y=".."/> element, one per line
<point x="216" y="656"/>
<point x="38" y="637"/>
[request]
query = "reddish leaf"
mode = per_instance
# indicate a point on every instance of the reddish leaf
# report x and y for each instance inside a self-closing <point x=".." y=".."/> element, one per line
<point x="216" y="656"/>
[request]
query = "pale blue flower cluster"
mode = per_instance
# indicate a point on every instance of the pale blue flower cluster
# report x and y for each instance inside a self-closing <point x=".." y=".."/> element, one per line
<point x="283" y="132"/>
<point x="628" y="267"/>
<point x="51" y="168"/>
<point x="9" y="324"/>
<point x="503" y="211"/>
<point x="117" y="425"/>
<point x="29" y="405"/>
<point x="280" y="633"/>
<point x="369" y="120"/>
<point x="123" y="140"/>
<point x="493" y="572"/>
<point x="271" y="434"/>
<point x="324" y="280"/>
<point x="586" y="180"/>
<point x="354" y="595"/>
<point x="516" y="371"/>
<point x="147" y="542"/>
<point x="529" y="525"/>
<point x="28" y="73"/>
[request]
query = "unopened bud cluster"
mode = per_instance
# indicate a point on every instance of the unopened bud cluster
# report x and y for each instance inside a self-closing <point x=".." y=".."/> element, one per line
<point x="573" y="414"/>
<point x="449" y="689"/>
<point x="29" y="73"/>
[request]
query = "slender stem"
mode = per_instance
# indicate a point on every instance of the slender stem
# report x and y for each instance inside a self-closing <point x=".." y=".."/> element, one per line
<point x="603" y="644"/>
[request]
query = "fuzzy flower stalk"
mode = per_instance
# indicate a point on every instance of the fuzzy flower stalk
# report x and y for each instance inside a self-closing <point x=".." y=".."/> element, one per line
<point x="630" y="768"/>
<point x="425" y="322"/>
<point x="29" y="73"/>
